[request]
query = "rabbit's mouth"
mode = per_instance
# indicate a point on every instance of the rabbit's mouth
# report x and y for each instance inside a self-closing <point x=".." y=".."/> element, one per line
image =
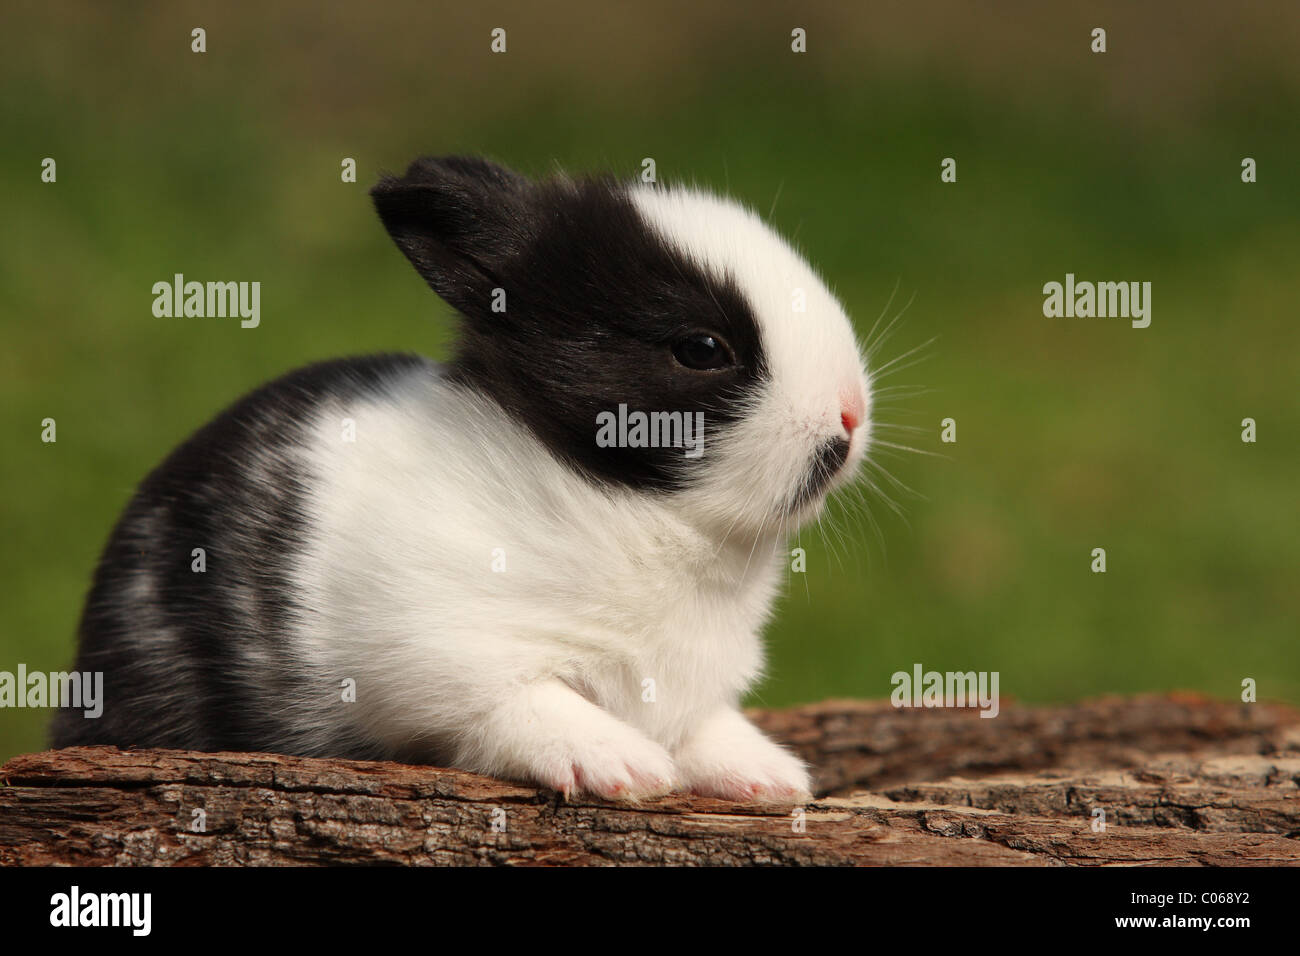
<point x="827" y="463"/>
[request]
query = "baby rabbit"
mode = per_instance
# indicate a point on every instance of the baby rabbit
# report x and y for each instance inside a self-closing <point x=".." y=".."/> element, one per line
<point x="443" y="564"/>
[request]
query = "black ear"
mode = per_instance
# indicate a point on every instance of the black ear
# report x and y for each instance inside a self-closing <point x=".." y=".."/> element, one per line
<point x="461" y="221"/>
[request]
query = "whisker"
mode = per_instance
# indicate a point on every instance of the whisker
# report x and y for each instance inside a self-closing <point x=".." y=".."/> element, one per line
<point x="887" y="333"/>
<point x="895" y="426"/>
<point x="906" y="389"/>
<point x="898" y="483"/>
<point x="883" y="312"/>
<point x="871" y="518"/>
<point x="779" y="187"/>
<point x="882" y="370"/>
<point x="916" y="451"/>
<point x="889" y="502"/>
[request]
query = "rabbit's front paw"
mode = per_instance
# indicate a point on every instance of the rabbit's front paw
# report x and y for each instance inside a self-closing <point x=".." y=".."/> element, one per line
<point x="547" y="734"/>
<point x="729" y="758"/>
<point x="622" y="766"/>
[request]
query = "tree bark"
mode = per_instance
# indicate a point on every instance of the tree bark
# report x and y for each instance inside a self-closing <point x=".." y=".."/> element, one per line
<point x="1180" y="779"/>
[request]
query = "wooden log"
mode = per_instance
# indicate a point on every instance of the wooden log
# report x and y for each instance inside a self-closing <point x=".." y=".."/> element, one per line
<point x="1181" y="779"/>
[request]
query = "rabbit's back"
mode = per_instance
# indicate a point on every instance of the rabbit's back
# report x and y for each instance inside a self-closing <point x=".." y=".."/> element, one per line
<point x="192" y="604"/>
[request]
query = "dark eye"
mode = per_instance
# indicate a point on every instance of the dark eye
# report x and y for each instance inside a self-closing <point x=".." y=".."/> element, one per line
<point x="703" y="351"/>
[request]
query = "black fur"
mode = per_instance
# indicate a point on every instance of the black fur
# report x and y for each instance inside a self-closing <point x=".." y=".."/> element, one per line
<point x="830" y="458"/>
<point x="235" y="490"/>
<point x="594" y="301"/>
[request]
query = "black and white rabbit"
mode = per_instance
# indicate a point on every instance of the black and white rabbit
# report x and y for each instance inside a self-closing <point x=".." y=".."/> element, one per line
<point x="504" y="594"/>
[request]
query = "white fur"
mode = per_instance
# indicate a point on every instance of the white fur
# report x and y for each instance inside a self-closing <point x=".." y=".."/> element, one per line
<point x="814" y="358"/>
<point x="539" y="672"/>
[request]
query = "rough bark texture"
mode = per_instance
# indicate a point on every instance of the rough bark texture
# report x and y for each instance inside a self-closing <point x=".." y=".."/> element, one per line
<point x="1182" y="780"/>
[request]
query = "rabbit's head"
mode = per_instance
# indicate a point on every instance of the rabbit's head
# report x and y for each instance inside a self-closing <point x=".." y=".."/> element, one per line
<point x="658" y="339"/>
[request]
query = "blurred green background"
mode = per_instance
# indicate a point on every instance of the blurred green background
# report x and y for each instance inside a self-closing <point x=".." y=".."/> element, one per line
<point x="1072" y="433"/>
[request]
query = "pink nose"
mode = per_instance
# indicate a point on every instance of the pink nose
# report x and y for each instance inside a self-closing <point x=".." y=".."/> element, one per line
<point x="850" y="411"/>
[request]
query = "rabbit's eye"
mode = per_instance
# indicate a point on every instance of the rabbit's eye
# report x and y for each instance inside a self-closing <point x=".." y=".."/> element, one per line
<point x="703" y="351"/>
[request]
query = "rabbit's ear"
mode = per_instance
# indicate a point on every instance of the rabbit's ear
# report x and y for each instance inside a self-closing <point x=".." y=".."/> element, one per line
<point x="460" y="220"/>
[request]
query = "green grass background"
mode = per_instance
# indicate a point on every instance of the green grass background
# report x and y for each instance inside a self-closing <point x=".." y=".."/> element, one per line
<point x="1072" y="433"/>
